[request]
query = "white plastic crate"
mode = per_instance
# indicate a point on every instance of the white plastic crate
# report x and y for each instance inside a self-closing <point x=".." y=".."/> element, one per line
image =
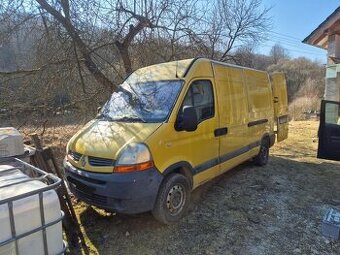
<point x="30" y="215"/>
<point x="331" y="224"/>
<point x="11" y="142"/>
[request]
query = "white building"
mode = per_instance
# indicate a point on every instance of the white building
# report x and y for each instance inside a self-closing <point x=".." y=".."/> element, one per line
<point x="327" y="36"/>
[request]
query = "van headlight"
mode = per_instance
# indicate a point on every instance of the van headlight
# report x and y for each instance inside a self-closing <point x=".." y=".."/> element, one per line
<point x="134" y="157"/>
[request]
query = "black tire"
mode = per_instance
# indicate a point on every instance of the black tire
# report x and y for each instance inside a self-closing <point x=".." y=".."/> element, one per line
<point x="173" y="199"/>
<point x="262" y="158"/>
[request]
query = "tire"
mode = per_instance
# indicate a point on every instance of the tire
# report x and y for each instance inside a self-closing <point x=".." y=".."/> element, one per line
<point x="262" y="158"/>
<point x="173" y="199"/>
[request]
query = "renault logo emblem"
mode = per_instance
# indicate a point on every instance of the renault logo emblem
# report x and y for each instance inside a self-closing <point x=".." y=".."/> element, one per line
<point x="83" y="161"/>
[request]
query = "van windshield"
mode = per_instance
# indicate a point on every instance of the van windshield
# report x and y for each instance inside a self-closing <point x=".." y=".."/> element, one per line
<point x="151" y="101"/>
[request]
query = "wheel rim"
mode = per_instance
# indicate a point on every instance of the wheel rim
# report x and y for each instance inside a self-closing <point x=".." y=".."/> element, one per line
<point x="176" y="199"/>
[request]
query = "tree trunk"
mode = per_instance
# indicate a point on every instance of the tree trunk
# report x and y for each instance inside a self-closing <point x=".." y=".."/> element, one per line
<point x="89" y="63"/>
<point x="124" y="53"/>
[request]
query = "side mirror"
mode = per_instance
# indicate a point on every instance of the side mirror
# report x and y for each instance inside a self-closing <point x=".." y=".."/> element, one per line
<point x="189" y="122"/>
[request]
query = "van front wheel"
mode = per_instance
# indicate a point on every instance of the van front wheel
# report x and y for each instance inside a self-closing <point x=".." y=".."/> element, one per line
<point x="173" y="199"/>
<point x="262" y="158"/>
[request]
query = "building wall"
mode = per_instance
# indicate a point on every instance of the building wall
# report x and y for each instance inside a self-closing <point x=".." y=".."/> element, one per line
<point x="333" y="50"/>
<point x="332" y="86"/>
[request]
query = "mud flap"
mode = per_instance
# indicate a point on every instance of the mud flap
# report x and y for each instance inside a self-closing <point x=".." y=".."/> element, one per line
<point x="280" y="99"/>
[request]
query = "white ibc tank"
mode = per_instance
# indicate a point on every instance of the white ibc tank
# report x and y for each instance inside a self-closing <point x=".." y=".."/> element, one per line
<point x="26" y="215"/>
<point x="11" y="142"/>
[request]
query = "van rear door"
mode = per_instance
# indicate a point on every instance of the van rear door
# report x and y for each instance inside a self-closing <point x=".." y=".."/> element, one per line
<point x="280" y="105"/>
<point x="329" y="130"/>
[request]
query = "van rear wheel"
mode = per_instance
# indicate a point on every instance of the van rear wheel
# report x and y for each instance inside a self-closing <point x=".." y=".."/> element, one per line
<point x="173" y="199"/>
<point x="262" y="158"/>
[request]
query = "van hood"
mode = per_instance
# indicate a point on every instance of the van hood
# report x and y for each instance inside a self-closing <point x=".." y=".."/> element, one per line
<point x="104" y="139"/>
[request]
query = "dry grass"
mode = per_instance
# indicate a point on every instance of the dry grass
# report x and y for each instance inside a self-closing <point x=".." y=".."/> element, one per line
<point x="276" y="209"/>
<point x="55" y="137"/>
<point x="299" y="109"/>
<point x="301" y="143"/>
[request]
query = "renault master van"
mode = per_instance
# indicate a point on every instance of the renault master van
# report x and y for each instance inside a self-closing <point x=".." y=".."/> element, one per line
<point x="171" y="128"/>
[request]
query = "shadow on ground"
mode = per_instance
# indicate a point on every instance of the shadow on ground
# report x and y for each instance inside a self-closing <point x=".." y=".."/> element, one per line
<point x="276" y="209"/>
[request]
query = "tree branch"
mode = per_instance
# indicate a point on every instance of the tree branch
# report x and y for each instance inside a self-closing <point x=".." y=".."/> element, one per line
<point x="89" y="63"/>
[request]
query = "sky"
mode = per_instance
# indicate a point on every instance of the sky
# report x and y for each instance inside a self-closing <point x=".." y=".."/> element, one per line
<point x="293" y="21"/>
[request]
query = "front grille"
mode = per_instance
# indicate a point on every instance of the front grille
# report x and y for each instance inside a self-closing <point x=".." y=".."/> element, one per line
<point x="92" y="198"/>
<point x="75" y="155"/>
<point x="94" y="161"/>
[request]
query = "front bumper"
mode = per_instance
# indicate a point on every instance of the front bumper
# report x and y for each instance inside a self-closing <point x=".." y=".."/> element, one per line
<point x="128" y="193"/>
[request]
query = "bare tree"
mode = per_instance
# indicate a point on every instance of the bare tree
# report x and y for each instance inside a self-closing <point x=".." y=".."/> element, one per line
<point x="302" y="76"/>
<point x="131" y="18"/>
<point x="244" y="56"/>
<point x="277" y="52"/>
<point x="66" y="22"/>
<point x="77" y="52"/>
<point x="233" y="22"/>
<point x="163" y="18"/>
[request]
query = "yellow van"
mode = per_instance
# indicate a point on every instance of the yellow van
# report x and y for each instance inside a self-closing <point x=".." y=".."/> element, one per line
<point x="171" y="128"/>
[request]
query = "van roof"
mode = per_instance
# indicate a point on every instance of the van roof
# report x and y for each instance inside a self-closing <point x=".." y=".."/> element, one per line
<point x="174" y="70"/>
<point x="163" y="71"/>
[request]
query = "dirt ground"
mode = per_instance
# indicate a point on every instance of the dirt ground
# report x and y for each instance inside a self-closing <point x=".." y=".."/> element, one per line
<point x="276" y="209"/>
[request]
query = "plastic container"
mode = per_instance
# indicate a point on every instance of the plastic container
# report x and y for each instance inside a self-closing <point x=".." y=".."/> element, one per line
<point x="331" y="224"/>
<point x="11" y="142"/>
<point x="30" y="215"/>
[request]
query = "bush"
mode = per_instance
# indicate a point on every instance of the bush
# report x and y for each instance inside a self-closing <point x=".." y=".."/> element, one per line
<point x="303" y="108"/>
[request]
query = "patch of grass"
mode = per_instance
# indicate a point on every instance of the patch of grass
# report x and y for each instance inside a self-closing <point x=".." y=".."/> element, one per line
<point x="276" y="209"/>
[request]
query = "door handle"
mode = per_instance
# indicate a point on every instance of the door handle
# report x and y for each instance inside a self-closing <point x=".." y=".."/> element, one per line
<point x="221" y="131"/>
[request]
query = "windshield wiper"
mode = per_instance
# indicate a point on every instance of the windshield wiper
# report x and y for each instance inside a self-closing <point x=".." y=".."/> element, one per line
<point x="104" y="117"/>
<point x="130" y="119"/>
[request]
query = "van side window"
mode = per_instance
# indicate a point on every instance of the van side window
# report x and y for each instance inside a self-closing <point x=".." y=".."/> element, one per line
<point x="200" y="96"/>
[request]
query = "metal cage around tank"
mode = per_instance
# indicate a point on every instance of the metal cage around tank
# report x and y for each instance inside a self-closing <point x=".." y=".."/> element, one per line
<point x="52" y="183"/>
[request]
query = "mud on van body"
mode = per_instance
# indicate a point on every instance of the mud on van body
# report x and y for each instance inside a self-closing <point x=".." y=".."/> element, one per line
<point x="171" y="128"/>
